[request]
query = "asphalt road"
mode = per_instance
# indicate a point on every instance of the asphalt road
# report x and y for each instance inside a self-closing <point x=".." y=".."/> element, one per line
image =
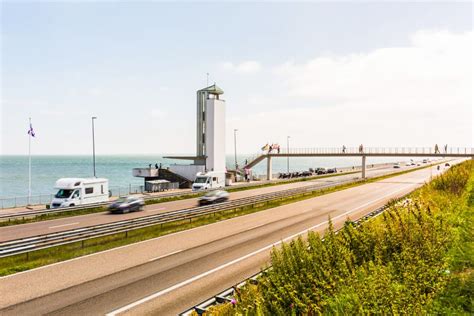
<point x="166" y="275"/>
<point x="73" y="222"/>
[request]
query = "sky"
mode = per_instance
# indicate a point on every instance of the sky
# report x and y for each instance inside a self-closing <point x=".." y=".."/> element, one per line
<point x="325" y="74"/>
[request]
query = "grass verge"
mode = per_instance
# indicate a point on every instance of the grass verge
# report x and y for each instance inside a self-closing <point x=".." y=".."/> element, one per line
<point x="34" y="259"/>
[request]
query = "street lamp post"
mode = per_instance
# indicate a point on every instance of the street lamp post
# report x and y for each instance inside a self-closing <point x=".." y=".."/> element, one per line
<point x="235" y="147"/>
<point x="93" y="144"/>
<point x="288" y="152"/>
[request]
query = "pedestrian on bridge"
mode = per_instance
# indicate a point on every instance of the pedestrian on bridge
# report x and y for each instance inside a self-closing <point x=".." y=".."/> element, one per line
<point x="266" y="147"/>
<point x="276" y="147"/>
<point x="446" y="148"/>
<point x="361" y="148"/>
<point x="343" y="149"/>
<point x="436" y="149"/>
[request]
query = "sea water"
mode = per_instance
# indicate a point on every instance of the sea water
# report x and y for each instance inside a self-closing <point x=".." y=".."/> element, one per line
<point x="45" y="170"/>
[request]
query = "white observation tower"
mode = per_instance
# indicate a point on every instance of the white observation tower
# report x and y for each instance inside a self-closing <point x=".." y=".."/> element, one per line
<point x="210" y="128"/>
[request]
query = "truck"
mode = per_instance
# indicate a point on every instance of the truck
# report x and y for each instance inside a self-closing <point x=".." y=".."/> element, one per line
<point x="80" y="191"/>
<point x="209" y="180"/>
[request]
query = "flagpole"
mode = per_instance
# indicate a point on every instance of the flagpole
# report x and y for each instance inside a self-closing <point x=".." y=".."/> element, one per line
<point x="29" y="165"/>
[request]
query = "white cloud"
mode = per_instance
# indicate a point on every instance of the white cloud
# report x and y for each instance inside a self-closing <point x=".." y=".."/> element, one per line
<point x="246" y="67"/>
<point x="418" y="94"/>
<point x="436" y="70"/>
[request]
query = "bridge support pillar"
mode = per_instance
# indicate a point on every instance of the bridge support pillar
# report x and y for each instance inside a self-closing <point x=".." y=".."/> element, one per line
<point x="363" y="167"/>
<point x="269" y="168"/>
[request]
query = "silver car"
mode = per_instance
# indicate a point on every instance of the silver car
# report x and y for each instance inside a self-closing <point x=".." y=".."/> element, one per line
<point x="215" y="196"/>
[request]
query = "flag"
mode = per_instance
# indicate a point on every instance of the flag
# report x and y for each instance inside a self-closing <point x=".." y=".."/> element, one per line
<point x="31" y="132"/>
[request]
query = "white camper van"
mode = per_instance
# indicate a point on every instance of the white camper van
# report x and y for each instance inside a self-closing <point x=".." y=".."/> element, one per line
<point x="209" y="180"/>
<point x="80" y="191"/>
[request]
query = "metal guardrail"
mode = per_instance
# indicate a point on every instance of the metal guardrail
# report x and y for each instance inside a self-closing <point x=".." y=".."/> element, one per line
<point x="84" y="207"/>
<point x="19" y="201"/>
<point x="35" y="213"/>
<point x="228" y="295"/>
<point x="26" y="245"/>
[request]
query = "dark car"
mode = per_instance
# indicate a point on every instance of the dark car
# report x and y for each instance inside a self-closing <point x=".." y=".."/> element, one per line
<point x="127" y="204"/>
<point x="212" y="197"/>
<point x="447" y="164"/>
<point x="333" y="170"/>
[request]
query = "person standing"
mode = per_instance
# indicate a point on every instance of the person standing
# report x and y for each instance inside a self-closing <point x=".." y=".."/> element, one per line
<point x="446" y="148"/>
<point x="436" y="149"/>
<point x="343" y="149"/>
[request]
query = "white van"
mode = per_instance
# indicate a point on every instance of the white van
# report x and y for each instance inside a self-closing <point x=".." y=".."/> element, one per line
<point x="209" y="180"/>
<point x="80" y="191"/>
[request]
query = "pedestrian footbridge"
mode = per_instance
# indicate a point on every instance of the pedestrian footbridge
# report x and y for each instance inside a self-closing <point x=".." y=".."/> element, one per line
<point x="363" y="152"/>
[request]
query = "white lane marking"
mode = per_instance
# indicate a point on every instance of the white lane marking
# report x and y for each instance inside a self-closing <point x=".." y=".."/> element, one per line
<point x="164" y="256"/>
<point x="202" y="275"/>
<point x="63" y="225"/>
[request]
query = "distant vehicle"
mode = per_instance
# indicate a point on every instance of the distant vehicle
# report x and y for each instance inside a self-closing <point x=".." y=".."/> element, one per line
<point x="413" y="164"/>
<point x="397" y="166"/>
<point x="80" y="191"/>
<point x="408" y="164"/>
<point x="127" y="204"/>
<point x="447" y="164"/>
<point x="418" y="164"/>
<point x="209" y="180"/>
<point x="321" y="171"/>
<point x="333" y="170"/>
<point x="215" y="196"/>
<point x="425" y="161"/>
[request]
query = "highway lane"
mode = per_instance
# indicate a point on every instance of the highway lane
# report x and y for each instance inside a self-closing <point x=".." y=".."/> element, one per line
<point x="182" y="269"/>
<point x="63" y="224"/>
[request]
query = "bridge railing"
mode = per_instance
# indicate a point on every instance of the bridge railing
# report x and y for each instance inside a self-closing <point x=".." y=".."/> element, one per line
<point x="377" y="150"/>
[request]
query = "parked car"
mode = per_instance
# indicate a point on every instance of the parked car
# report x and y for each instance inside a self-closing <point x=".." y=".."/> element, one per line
<point x="321" y="171"/>
<point x="447" y="164"/>
<point x="396" y="165"/>
<point x="215" y="196"/>
<point x="333" y="170"/>
<point x="127" y="204"/>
